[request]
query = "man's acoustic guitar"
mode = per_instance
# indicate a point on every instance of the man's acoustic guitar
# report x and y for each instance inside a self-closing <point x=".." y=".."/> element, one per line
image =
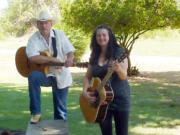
<point x="24" y="66"/>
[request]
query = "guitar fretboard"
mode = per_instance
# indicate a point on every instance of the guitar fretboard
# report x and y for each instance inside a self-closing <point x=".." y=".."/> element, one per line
<point x="110" y="71"/>
<point x="83" y="64"/>
<point x="54" y="64"/>
<point x="108" y="75"/>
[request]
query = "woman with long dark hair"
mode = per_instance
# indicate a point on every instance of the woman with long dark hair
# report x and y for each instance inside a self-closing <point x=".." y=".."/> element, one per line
<point x="104" y="50"/>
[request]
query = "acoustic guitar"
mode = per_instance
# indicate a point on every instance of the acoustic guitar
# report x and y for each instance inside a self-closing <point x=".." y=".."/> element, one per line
<point x="96" y="112"/>
<point x="25" y="66"/>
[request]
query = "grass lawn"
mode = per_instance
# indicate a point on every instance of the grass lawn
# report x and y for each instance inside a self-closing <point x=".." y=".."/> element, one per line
<point x="155" y="106"/>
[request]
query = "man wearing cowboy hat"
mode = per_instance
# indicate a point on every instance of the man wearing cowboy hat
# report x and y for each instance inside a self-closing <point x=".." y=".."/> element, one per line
<point x="56" y="42"/>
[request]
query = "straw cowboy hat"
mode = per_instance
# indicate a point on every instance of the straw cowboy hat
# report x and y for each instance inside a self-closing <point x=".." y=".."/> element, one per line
<point x="43" y="16"/>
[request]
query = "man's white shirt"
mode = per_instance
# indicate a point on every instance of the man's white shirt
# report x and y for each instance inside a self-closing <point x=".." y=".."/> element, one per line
<point x="37" y="44"/>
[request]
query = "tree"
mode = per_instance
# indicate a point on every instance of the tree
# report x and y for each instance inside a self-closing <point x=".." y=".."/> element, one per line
<point x="16" y="20"/>
<point x="128" y="19"/>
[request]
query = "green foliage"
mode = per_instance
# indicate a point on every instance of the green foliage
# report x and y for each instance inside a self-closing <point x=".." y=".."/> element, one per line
<point x="15" y="20"/>
<point x="1" y="33"/>
<point x="134" y="71"/>
<point x="77" y="38"/>
<point x="128" y="19"/>
<point x="124" y="17"/>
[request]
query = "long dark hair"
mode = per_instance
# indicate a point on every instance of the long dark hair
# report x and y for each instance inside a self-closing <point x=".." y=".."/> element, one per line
<point x="95" y="48"/>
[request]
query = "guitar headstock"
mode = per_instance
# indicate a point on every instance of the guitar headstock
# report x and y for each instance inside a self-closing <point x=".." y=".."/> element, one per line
<point x="122" y="56"/>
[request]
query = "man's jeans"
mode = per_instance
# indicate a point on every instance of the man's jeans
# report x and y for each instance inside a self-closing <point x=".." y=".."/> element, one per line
<point x="37" y="79"/>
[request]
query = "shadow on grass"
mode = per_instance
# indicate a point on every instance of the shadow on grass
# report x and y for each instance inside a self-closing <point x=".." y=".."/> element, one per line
<point x="154" y="104"/>
<point x="171" y="77"/>
<point x="155" y="100"/>
<point x="13" y="106"/>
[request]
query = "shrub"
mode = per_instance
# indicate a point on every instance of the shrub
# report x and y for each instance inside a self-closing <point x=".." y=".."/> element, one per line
<point x="79" y="40"/>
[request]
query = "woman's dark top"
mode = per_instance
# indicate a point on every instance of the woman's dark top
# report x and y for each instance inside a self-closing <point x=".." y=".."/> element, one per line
<point x="120" y="87"/>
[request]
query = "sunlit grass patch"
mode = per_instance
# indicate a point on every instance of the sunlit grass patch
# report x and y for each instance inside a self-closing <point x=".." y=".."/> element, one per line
<point x="140" y="130"/>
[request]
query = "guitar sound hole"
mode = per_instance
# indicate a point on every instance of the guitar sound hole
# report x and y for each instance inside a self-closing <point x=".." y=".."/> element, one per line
<point x="96" y="94"/>
<point x="96" y="103"/>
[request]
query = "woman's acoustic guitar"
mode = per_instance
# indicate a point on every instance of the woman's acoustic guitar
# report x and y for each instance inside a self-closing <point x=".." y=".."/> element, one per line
<point x="96" y="112"/>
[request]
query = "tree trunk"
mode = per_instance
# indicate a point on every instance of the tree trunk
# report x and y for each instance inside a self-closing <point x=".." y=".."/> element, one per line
<point x="128" y="49"/>
<point x="35" y="6"/>
<point x="129" y="66"/>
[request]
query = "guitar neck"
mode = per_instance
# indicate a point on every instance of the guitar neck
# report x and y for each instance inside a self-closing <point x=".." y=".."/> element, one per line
<point x="83" y="64"/>
<point x="54" y="64"/>
<point x="103" y="83"/>
<point x="110" y="71"/>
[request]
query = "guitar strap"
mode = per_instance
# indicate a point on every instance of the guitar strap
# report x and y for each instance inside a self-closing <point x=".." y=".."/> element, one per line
<point x="54" y="48"/>
<point x="54" y="45"/>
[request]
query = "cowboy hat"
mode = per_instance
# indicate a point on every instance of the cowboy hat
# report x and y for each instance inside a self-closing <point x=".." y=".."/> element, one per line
<point x="43" y="16"/>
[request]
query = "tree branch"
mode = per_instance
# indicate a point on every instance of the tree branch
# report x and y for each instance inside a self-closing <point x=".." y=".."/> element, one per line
<point x="133" y="38"/>
<point x="125" y="38"/>
<point x="136" y="37"/>
<point x="120" y="38"/>
<point x="130" y="38"/>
